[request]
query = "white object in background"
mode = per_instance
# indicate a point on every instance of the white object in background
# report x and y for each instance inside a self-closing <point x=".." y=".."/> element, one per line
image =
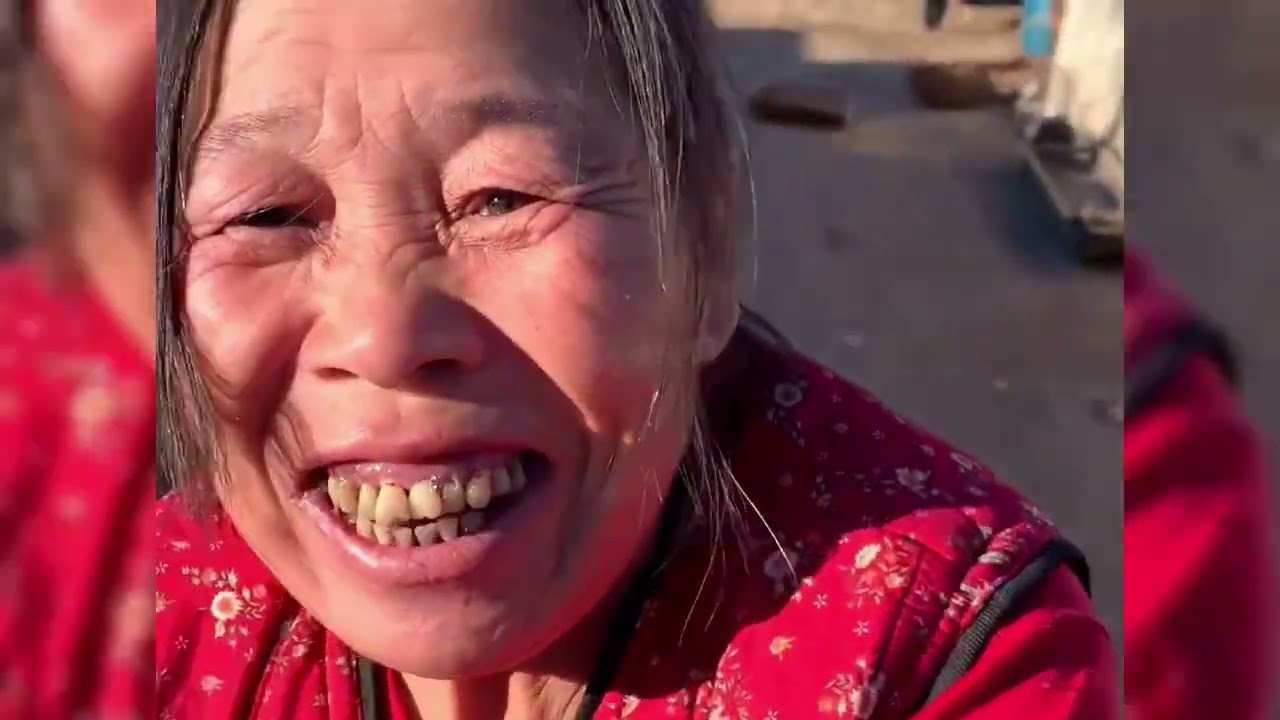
<point x="1086" y="84"/>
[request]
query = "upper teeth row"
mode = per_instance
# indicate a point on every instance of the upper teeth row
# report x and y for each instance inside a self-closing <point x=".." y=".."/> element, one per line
<point x="389" y="504"/>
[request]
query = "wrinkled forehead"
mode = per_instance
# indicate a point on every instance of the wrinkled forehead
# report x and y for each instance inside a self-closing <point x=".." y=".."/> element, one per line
<point x="292" y="65"/>
<point x="455" y="35"/>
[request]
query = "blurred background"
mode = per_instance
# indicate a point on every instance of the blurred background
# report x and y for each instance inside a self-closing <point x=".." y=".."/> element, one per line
<point x="902" y="237"/>
<point x="908" y="232"/>
<point x="1205" y="109"/>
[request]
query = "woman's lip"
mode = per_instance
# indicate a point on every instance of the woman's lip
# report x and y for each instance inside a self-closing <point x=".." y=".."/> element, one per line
<point x="408" y="473"/>
<point x="414" y="452"/>
<point x="500" y="541"/>
<point x="407" y="461"/>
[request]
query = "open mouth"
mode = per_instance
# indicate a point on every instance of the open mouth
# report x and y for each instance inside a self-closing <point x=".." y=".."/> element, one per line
<point x="441" y="505"/>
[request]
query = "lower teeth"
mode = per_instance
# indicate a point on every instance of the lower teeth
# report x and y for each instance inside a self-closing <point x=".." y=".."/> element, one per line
<point x="444" y="529"/>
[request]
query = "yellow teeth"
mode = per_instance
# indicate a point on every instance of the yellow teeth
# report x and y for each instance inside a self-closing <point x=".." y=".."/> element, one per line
<point x="448" y="528"/>
<point x="454" y="497"/>
<point x="392" y="507"/>
<point x="367" y="501"/>
<point x="403" y="536"/>
<point x="426" y="534"/>
<point x="480" y="490"/>
<point x="345" y="495"/>
<point x="390" y="514"/>
<point x="425" y="502"/>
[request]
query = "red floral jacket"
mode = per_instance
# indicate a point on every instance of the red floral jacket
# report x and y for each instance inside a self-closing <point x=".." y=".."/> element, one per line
<point x="878" y="552"/>
<point x="1200" y="602"/>
<point x="77" y="433"/>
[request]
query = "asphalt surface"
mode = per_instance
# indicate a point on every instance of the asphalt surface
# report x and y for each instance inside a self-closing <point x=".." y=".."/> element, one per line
<point x="1204" y="170"/>
<point x="915" y="255"/>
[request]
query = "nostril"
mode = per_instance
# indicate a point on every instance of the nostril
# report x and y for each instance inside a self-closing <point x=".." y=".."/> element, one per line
<point x="438" y="374"/>
<point x="441" y="368"/>
<point x="394" y="345"/>
<point x="333" y="373"/>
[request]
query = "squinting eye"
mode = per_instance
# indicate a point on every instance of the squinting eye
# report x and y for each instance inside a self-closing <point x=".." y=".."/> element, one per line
<point x="271" y="217"/>
<point x="495" y="203"/>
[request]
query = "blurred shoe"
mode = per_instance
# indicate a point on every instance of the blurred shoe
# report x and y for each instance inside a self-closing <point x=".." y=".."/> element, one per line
<point x="808" y="103"/>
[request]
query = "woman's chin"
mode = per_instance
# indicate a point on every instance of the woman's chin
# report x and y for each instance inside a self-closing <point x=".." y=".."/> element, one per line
<point x="452" y="609"/>
<point x="461" y="626"/>
<point x="472" y="640"/>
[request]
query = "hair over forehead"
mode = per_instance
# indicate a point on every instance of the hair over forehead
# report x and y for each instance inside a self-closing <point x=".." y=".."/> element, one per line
<point x="663" y="61"/>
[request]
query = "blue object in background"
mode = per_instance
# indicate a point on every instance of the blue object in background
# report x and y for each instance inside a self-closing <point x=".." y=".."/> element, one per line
<point x="1037" y="28"/>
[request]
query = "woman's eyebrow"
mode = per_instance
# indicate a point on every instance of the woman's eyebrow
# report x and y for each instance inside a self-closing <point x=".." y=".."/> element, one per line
<point x="244" y="132"/>
<point x="249" y="131"/>
<point x="508" y="109"/>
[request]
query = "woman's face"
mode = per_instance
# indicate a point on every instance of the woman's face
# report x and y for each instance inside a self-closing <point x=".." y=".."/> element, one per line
<point x="104" y="53"/>
<point x="423" y="280"/>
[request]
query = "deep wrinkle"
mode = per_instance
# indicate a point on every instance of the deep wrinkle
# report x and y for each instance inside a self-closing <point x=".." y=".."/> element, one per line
<point x="489" y="161"/>
<point x="454" y="120"/>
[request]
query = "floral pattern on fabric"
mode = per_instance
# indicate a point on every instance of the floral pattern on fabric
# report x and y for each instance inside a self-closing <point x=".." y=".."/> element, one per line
<point x="862" y="548"/>
<point x="77" y="435"/>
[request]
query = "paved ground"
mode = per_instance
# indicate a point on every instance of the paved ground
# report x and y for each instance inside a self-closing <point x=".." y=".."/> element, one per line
<point x="915" y="255"/>
<point x="1204" y="169"/>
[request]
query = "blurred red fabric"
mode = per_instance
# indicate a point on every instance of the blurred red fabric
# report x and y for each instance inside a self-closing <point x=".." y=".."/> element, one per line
<point x="1199" y="553"/>
<point x="77" y="448"/>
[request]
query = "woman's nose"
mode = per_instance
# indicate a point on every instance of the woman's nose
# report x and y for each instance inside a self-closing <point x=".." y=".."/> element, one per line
<point x="395" y="337"/>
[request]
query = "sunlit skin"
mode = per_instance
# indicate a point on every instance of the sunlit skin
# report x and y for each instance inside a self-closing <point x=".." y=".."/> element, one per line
<point x="101" y="54"/>
<point x="428" y="220"/>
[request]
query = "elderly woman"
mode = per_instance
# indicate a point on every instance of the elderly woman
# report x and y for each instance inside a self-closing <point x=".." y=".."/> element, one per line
<point x="463" y="422"/>
<point x="77" y="422"/>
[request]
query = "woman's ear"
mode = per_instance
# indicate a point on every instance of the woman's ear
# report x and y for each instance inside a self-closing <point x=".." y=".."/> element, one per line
<point x="718" y="323"/>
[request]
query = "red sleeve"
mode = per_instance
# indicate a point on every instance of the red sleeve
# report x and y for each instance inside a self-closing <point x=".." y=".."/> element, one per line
<point x="1198" y="556"/>
<point x="1051" y="661"/>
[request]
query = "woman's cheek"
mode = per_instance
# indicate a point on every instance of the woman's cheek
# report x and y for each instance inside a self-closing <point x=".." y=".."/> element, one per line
<point x="592" y="315"/>
<point x="239" y="322"/>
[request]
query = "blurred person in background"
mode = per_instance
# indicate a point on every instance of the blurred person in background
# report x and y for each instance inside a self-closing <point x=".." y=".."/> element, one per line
<point x="1200" y="601"/>
<point x="77" y="81"/>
